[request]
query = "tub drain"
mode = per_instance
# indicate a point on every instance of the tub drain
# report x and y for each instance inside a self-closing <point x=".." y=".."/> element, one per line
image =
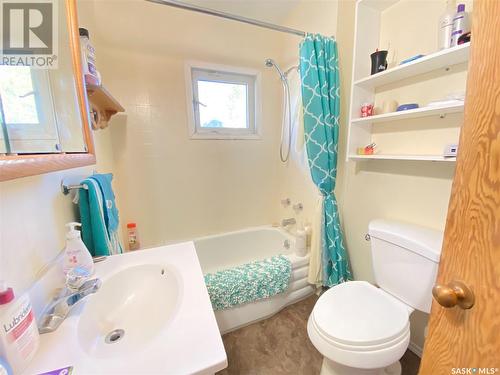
<point x="114" y="336"/>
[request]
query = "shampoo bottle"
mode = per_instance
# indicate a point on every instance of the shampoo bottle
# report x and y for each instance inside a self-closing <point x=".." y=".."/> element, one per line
<point x="461" y="24"/>
<point x="301" y="242"/>
<point x="446" y="25"/>
<point x="19" y="337"/>
<point x="76" y="253"/>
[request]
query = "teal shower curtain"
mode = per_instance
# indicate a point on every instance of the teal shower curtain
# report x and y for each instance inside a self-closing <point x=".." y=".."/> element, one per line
<point x="321" y="105"/>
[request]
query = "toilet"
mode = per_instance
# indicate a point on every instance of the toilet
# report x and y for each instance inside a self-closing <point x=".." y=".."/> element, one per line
<point x="363" y="329"/>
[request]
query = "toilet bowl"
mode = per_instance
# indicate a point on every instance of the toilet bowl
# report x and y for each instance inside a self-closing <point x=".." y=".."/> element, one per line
<point x="359" y="329"/>
<point x="363" y="329"/>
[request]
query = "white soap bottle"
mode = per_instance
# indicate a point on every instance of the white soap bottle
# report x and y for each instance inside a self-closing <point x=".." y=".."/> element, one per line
<point x="301" y="242"/>
<point x="76" y="253"/>
<point x="461" y="24"/>
<point x="19" y="337"/>
<point x="446" y="25"/>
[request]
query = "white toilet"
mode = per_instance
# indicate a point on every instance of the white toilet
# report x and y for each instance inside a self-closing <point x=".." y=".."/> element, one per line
<point x="363" y="329"/>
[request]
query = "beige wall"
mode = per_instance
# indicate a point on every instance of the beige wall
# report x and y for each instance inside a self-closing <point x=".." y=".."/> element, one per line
<point x="33" y="212"/>
<point x="173" y="187"/>
<point x="416" y="192"/>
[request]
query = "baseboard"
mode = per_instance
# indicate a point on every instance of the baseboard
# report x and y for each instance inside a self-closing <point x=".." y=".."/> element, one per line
<point x="415" y="349"/>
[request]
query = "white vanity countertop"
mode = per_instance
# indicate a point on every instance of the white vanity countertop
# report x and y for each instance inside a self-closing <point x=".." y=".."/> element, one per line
<point x="189" y="344"/>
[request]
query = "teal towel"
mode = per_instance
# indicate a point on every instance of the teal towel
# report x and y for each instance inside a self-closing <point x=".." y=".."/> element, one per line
<point x="248" y="282"/>
<point x="99" y="216"/>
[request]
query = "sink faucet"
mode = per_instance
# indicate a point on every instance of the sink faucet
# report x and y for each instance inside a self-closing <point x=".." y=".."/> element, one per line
<point x="75" y="290"/>
<point x="286" y="222"/>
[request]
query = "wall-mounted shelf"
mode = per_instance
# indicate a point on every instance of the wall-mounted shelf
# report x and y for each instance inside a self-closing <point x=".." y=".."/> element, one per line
<point x="411" y="114"/>
<point x="424" y="132"/>
<point x="104" y="105"/>
<point x="403" y="157"/>
<point x="438" y="60"/>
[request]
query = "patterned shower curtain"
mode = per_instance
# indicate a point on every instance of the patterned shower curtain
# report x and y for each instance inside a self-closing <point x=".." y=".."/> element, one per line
<point x="321" y="104"/>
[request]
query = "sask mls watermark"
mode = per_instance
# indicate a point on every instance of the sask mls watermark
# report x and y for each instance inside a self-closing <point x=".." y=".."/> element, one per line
<point x="29" y="33"/>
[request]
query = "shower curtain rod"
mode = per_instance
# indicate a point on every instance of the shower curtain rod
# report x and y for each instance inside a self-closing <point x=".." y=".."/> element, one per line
<point x="229" y="16"/>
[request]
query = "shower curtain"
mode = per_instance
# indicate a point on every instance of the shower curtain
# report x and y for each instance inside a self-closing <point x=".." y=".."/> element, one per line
<point x="319" y="73"/>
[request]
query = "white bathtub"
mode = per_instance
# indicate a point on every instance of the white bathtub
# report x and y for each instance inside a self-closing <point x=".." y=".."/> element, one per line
<point x="235" y="248"/>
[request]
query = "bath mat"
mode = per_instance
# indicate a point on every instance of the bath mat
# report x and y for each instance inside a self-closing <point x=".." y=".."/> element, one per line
<point x="248" y="282"/>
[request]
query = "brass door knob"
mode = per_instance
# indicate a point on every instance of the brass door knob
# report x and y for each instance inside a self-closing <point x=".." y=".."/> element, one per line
<point x="455" y="293"/>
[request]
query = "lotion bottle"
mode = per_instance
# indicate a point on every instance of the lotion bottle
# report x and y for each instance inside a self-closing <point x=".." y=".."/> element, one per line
<point x="19" y="337"/>
<point x="76" y="253"/>
<point x="446" y="25"/>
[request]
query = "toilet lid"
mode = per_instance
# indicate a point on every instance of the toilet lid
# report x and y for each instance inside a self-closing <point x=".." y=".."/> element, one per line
<point x="358" y="313"/>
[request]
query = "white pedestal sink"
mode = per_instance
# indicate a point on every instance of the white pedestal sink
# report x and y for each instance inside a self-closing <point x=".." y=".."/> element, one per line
<point x="152" y="315"/>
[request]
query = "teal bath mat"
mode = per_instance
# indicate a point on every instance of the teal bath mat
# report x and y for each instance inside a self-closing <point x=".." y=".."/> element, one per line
<point x="248" y="282"/>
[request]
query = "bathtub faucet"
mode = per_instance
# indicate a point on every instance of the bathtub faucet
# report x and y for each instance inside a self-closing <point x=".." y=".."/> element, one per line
<point x="286" y="222"/>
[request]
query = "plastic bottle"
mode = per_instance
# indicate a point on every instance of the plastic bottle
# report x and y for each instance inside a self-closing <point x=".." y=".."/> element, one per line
<point x="446" y="25"/>
<point x="5" y="367"/>
<point x="461" y="24"/>
<point x="19" y="337"/>
<point x="133" y="237"/>
<point x="301" y="241"/>
<point x="90" y="72"/>
<point x="76" y="253"/>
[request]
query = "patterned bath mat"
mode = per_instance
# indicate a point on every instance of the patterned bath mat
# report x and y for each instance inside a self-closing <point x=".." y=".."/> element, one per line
<point x="249" y="282"/>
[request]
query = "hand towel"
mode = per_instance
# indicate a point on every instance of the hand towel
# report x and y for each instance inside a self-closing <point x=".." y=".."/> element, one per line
<point x="99" y="216"/>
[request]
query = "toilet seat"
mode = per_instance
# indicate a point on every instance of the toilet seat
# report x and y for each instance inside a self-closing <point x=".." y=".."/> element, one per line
<point x="359" y="314"/>
<point x="359" y="325"/>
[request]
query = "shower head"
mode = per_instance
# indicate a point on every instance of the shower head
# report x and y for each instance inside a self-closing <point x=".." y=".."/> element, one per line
<point x="270" y="63"/>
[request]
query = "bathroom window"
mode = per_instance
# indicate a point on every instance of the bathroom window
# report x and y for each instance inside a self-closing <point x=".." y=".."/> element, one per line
<point x="27" y="113"/>
<point x="222" y="102"/>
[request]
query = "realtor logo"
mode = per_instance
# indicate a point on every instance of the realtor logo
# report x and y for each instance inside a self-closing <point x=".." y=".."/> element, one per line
<point x="29" y="31"/>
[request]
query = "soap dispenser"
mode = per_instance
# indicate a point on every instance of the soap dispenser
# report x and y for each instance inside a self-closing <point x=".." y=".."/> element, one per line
<point x="76" y="253"/>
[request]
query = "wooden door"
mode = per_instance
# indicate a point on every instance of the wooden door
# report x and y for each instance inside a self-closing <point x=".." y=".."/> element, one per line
<point x="467" y="341"/>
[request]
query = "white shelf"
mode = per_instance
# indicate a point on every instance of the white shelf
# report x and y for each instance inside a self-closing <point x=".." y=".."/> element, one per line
<point x="435" y="61"/>
<point x="403" y="157"/>
<point x="411" y="113"/>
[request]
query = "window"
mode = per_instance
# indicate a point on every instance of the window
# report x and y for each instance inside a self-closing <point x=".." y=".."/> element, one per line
<point x="222" y="102"/>
<point x="27" y="110"/>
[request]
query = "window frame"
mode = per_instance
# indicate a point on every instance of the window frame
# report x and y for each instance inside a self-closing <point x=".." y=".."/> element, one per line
<point x="201" y="71"/>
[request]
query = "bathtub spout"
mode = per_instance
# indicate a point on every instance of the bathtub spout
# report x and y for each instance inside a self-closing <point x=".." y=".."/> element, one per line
<point x="286" y="222"/>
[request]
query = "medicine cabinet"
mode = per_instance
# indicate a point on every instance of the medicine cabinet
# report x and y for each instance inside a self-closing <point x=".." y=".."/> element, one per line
<point x="44" y="113"/>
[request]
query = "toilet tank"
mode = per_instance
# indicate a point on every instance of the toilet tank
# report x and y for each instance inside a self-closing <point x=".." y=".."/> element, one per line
<point x="405" y="260"/>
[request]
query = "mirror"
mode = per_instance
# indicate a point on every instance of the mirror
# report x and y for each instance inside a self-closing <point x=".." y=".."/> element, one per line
<point x="43" y="110"/>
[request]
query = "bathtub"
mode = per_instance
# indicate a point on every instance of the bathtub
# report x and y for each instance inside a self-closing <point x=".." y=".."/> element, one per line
<point x="235" y="248"/>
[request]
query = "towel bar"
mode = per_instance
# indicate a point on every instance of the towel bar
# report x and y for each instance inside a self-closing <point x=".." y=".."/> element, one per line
<point x="67" y="188"/>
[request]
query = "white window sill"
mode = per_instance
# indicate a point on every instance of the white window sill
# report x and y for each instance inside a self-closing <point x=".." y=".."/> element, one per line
<point x="215" y="136"/>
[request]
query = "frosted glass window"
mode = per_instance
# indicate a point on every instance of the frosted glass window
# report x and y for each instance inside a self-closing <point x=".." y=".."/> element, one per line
<point x="223" y="104"/>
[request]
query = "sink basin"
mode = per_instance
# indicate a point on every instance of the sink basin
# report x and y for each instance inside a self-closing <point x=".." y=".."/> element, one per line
<point x="130" y="310"/>
<point x="151" y="315"/>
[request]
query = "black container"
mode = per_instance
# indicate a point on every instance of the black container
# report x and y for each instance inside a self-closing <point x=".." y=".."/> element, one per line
<point x="379" y="61"/>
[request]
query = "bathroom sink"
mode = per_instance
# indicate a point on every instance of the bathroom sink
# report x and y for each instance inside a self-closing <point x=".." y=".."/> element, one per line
<point x="130" y="310"/>
<point x="152" y="315"/>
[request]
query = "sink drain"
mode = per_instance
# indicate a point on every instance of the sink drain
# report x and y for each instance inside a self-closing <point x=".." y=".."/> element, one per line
<point x="114" y="336"/>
